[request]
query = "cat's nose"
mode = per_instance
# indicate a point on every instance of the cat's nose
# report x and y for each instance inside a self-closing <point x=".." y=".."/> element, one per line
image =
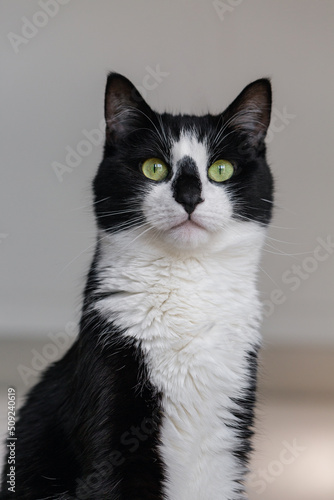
<point x="187" y="192"/>
<point x="189" y="199"/>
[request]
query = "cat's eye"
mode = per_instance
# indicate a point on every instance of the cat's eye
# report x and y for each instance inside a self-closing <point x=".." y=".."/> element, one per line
<point x="155" y="169"/>
<point x="220" y="171"/>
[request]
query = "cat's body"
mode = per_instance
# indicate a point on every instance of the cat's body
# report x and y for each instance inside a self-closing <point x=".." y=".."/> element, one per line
<point x="155" y="399"/>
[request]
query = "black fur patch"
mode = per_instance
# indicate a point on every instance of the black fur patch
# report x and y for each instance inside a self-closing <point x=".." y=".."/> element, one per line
<point x="90" y="428"/>
<point x="245" y="418"/>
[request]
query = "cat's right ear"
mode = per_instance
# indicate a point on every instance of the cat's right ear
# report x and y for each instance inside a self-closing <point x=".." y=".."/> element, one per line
<point x="123" y="107"/>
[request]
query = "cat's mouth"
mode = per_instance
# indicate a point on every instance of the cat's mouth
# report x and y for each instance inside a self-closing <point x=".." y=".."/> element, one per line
<point x="183" y="231"/>
<point x="188" y="234"/>
<point x="189" y="223"/>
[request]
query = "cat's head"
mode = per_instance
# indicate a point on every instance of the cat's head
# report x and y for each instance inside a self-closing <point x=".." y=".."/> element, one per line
<point x="183" y="180"/>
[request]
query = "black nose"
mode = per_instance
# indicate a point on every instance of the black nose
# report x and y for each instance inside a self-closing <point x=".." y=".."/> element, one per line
<point x="187" y="193"/>
<point x="187" y="186"/>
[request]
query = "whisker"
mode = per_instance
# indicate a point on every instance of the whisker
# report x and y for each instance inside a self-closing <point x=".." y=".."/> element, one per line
<point x="138" y="236"/>
<point x="127" y="225"/>
<point x="91" y="204"/>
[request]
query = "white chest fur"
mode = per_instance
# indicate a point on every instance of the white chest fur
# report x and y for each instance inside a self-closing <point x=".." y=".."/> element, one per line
<point x="196" y="319"/>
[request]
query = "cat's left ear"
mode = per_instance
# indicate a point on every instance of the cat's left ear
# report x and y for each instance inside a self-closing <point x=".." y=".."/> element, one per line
<point x="124" y="107"/>
<point x="250" y="111"/>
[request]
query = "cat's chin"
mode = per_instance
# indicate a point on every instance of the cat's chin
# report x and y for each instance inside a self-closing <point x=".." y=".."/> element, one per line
<point x="188" y="234"/>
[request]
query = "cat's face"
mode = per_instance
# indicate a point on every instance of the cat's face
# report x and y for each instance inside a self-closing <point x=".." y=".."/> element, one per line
<point x="183" y="180"/>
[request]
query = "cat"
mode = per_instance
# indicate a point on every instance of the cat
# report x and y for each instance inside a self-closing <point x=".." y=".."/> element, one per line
<point x="155" y="399"/>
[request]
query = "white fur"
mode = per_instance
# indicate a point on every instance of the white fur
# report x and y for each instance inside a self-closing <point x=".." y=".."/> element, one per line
<point x="189" y="298"/>
<point x="168" y="217"/>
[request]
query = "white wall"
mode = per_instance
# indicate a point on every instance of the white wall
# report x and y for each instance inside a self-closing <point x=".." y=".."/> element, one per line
<point x="52" y="89"/>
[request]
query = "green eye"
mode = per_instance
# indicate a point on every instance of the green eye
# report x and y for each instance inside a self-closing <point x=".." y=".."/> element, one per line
<point x="155" y="169"/>
<point x="220" y="171"/>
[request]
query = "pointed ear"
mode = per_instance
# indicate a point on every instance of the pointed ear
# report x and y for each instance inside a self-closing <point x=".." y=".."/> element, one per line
<point x="123" y="107"/>
<point x="250" y="111"/>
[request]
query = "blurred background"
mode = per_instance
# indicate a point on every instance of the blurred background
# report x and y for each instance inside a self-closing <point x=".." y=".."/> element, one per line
<point x="187" y="56"/>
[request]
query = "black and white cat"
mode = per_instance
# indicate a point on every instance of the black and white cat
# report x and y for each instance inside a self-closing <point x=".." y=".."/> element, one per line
<point x="155" y="398"/>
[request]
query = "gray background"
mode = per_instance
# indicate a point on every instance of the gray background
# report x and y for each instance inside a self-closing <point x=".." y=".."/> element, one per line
<point x="186" y="56"/>
<point x="52" y="89"/>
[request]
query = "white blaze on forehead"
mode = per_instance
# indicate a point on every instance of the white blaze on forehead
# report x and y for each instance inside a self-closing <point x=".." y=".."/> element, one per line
<point x="189" y="145"/>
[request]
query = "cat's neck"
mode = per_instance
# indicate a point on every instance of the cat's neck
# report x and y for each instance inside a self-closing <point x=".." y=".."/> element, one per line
<point x="139" y="280"/>
<point x="236" y="251"/>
